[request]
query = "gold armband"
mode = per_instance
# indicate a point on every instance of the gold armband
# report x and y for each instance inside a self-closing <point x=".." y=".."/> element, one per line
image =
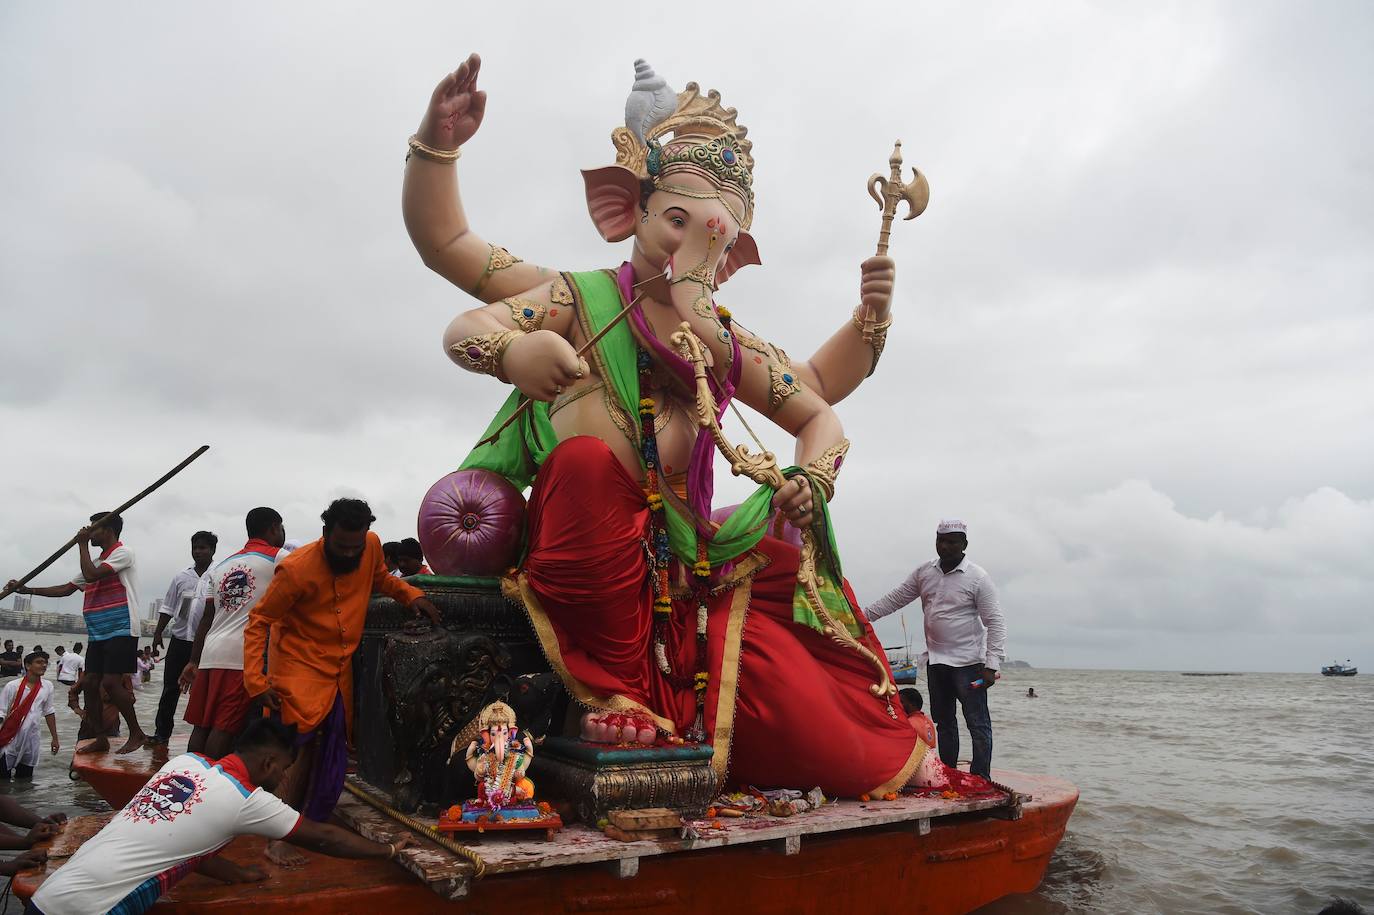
<point x="875" y="335"/>
<point x="498" y="259"/>
<point x="560" y="293"/>
<point x="824" y="469"/>
<point x="527" y="315"/>
<point x="782" y="383"/>
<point x="441" y="156"/>
<point x="483" y="352"/>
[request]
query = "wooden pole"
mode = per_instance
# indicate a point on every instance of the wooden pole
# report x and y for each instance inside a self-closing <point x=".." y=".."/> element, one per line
<point x="127" y="505"/>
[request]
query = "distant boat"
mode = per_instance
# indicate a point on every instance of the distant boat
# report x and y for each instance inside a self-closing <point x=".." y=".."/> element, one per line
<point x="906" y="671"/>
<point x="1340" y="670"/>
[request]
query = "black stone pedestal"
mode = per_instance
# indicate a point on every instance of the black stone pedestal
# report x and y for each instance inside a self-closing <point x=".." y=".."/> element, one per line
<point x="415" y="689"/>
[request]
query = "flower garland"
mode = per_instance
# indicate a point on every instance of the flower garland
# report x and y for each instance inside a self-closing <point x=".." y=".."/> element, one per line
<point x="498" y="784"/>
<point x="661" y="557"/>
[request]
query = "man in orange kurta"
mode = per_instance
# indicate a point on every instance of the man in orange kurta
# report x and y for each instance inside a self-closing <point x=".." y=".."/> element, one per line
<point x="312" y="618"/>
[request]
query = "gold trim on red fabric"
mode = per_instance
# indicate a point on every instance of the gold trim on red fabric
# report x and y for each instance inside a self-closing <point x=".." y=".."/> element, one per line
<point x="898" y="781"/>
<point x="548" y="640"/>
<point x="728" y="690"/>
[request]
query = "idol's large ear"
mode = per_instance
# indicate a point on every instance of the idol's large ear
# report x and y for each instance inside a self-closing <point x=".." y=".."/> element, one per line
<point x="612" y="199"/>
<point x="744" y="253"/>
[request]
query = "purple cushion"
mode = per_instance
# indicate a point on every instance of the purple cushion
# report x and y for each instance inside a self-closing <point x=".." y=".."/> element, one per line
<point x="471" y="523"/>
<point x="789" y="533"/>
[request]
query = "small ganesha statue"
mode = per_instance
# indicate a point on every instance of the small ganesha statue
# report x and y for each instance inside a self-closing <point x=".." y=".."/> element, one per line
<point x="498" y="758"/>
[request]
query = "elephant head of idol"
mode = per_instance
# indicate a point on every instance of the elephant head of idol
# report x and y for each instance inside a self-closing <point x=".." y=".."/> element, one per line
<point x="682" y="183"/>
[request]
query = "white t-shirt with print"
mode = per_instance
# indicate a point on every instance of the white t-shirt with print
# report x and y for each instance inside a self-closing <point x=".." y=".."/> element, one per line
<point x="186" y="813"/>
<point x="235" y="585"/>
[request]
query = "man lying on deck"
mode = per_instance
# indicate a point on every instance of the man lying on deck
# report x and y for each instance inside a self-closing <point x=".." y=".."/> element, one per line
<point x="183" y="818"/>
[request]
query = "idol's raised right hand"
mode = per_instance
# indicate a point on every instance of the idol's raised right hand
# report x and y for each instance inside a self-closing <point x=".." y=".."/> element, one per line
<point x="455" y="109"/>
<point x="541" y="364"/>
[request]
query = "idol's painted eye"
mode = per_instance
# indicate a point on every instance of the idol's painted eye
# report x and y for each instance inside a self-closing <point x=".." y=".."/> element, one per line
<point x="679" y="222"/>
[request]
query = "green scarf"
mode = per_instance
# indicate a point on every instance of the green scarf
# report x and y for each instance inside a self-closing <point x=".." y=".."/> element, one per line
<point x="522" y="448"/>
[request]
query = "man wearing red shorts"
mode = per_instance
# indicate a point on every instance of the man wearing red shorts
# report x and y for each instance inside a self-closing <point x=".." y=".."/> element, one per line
<point x="214" y="675"/>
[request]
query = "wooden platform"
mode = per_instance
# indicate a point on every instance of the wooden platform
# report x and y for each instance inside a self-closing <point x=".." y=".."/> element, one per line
<point x="451" y="876"/>
<point x="934" y="855"/>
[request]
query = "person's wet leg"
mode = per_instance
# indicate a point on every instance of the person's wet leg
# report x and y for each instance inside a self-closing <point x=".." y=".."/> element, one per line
<point x="93" y="714"/>
<point x="122" y="698"/>
<point x="292" y="791"/>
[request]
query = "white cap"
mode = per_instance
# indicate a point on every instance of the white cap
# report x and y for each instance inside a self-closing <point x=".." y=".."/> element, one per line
<point x="952" y="526"/>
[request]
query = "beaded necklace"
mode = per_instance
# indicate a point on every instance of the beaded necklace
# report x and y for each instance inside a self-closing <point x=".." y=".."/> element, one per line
<point x="661" y="557"/>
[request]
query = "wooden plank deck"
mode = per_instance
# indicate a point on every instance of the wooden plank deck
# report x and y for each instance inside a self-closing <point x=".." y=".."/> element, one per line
<point x="450" y="876"/>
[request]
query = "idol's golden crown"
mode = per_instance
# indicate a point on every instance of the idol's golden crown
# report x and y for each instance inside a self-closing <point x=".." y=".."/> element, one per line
<point x="666" y="131"/>
<point x="497" y="713"/>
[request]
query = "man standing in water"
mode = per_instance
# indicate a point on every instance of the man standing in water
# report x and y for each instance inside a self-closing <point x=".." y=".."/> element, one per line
<point x="25" y="703"/>
<point x="314" y="609"/>
<point x="110" y="608"/>
<point x="11" y="661"/>
<point x="181" y="608"/>
<point x="965" y="639"/>
<point x="70" y="665"/>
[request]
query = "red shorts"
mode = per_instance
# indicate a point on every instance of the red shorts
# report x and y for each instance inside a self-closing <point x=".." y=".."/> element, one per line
<point x="218" y="700"/>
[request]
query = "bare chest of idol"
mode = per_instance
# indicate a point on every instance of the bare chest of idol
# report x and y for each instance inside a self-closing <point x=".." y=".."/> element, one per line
<point x="591" y="406"/>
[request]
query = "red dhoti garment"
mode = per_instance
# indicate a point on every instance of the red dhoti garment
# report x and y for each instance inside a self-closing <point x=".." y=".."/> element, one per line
<point x="785" y="707"/>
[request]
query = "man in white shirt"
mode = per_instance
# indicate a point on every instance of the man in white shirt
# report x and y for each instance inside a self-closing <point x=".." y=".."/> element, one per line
<point x="181" y="610"/>
<point x="214" y="675"/>
<point x="110" y="609"/>
<point x="181" y="820"/>
<point x="965" y="641"/>
<point x="70" y="665"/>
<point x="24" y="704"/>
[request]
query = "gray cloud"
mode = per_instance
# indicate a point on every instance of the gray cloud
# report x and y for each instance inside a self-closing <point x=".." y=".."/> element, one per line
<point x="1146" y="259"/>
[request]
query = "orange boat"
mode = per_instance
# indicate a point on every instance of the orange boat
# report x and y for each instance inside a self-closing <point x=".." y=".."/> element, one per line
<point x="936" y="855"/>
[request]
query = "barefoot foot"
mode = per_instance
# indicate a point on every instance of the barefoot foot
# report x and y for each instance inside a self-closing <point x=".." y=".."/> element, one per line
<point x="136" y="740"/>
<point x="283" y="855"/>
<point x="98" y="745"/>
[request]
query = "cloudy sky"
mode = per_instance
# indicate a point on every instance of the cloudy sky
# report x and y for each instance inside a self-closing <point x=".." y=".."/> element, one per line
<point x="1133" y="343"/>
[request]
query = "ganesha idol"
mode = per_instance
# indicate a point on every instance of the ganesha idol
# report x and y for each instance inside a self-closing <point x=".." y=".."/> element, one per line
<point x="651" y="612"/>
<point x="499" y="758"/>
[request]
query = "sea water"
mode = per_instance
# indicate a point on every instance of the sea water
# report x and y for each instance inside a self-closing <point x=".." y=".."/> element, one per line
<point x="1251" y="793"/>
